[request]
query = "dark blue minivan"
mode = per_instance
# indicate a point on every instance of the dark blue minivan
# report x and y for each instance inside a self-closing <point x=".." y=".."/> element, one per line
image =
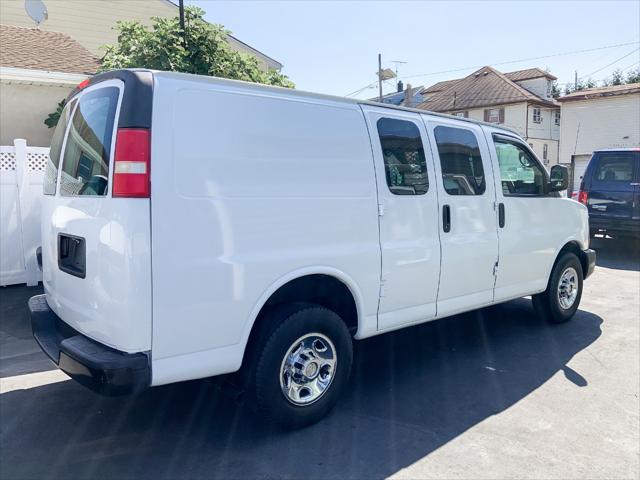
<point x="610" y="189"/>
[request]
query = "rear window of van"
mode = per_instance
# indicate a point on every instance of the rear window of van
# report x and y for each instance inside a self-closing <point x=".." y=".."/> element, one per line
<point x="615" y="167"/>
<point x="85" y="165"/>
<point x="51" y="171"/>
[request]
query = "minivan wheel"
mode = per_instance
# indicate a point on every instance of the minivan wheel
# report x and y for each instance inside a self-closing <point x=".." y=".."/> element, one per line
<point x="559" y="302"/>
<point x="302" y="365"/>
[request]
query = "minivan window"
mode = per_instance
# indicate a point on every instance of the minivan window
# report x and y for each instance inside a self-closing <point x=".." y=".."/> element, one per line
<point x="614" y="168"/>
<point x="85" y="165"/>
<point x="460" y="161"/>
<point x="51" y="170"/>
<point x="404" y="160"/>
<point x="520" y="173"/>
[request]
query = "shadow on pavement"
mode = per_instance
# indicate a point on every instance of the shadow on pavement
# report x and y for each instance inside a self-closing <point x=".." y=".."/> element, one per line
<point x="412" y="391"/>
<point x="19" y="353"/>
<point x="619" y="254"/>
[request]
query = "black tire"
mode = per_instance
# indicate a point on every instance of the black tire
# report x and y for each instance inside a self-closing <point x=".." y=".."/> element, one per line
<point x="284" y="326"/>
<point x="547" y="304"/>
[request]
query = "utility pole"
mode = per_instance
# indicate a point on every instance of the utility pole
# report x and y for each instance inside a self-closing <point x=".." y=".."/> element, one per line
<point x="380" y="77"/>
<point x="575" y="81"/>
<point x="183" y="31"/>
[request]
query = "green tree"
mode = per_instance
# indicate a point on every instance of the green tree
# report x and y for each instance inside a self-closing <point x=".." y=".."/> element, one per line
<point x="202" y="50"/>
<point x="633" y="76"/>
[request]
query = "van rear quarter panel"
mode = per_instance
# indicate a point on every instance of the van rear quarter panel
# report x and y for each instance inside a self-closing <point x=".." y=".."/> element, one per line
<point x="249" y="186"/>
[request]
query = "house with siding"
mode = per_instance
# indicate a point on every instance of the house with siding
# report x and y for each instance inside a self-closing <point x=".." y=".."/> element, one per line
<point x="40" y="66"/>
<point x="520" y="100"/>
<point x="596" y="119"/>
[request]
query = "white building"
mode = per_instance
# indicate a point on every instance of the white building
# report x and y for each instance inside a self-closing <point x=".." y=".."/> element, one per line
<point x="520" y="100"/>
<point x="597" y="118"/>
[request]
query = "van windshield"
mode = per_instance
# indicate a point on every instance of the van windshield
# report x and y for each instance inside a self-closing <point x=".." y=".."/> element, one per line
<point x="85" y="166"/>
<point x="51" y="172"/>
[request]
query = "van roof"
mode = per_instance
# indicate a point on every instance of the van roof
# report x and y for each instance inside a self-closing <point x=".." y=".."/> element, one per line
<point x="280" y="90"/>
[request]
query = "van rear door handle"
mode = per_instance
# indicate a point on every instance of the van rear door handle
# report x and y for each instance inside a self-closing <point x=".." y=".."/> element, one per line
<point x="446" y="218"/>
<point x="501" y="215"/>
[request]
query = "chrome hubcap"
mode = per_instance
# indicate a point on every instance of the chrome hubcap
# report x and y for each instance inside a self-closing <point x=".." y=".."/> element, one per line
<point x="307" y="369"/>
<point x="568" y="288"/>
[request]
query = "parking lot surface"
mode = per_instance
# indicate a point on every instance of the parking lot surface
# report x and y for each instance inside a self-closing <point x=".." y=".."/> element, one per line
<point x="495" y="393"/>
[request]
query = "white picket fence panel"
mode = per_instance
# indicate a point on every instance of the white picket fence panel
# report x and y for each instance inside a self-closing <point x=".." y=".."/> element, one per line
<point x="21" y="175"/>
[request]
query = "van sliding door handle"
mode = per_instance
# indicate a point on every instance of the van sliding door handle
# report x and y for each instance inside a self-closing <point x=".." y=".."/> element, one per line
<point x="501" y="215"/>
<point x="446" y="218"/>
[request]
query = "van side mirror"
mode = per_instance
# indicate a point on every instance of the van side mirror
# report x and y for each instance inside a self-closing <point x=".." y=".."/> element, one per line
<point x="559" y="178"/>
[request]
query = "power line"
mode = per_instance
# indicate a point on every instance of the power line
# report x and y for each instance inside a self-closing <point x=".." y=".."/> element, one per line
<point x="612" y="63"/>
<point x="574" y="52"/>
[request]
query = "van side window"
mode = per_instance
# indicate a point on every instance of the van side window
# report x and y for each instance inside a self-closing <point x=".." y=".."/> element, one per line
<point x="51" y="171"/>
<point x="520" y="172"/>
<point x="404" y="161"/>
<point x="85" y="166"/>
<point x="614" y="168"/>
<point x="460" y="161"/>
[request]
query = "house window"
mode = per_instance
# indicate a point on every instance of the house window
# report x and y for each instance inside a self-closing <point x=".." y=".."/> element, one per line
<point x="545" y="153"/>
<point x="494" y="115"/>
<point x="557" y="117"/>
<point x="464" y="114"/>
<point x="537" y="115"/>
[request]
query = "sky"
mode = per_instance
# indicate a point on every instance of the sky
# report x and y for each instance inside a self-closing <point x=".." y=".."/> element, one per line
<point x="332" y="47"/>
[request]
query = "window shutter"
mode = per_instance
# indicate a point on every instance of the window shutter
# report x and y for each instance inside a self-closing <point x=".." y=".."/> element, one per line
<point x="501" y="115"/>
<point x="486" y="115"/>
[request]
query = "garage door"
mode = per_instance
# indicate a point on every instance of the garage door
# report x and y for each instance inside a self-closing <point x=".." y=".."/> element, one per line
<point x="579" y="163"/>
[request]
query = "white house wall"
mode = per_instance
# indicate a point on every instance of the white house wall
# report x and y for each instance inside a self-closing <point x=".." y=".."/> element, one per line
<point x="547" y="128"/>
<point x="514" y="116"/>
<point x="537" y="86"/>
<point x="24" y="109"/>
<point x="604" y="122"/>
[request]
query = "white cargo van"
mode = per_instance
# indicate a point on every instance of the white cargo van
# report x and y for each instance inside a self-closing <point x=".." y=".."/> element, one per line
<point x="194" y="227"/>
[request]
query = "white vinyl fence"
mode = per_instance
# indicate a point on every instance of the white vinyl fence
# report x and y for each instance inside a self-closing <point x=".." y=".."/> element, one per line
<point x="21" y="174"/>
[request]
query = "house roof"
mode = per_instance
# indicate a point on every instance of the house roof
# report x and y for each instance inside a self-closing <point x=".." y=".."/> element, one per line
<point x="484" y="87"/>
<point x="529" y="74"/>
<point x="440" y="86"/>
<point x="599" y="92"/>
<point x="517" y="76"/>
<point x="34" y="49"/>
<point x="396" y="98"/>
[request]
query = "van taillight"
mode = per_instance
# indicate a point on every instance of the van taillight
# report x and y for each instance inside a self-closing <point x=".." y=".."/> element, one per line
<point x="131" y="174"/>
<point x="583" y="197"/>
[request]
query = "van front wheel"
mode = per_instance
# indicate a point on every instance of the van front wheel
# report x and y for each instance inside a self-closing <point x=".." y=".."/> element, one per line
<point x="559" y="302"/>
<point x="302" y="365"/>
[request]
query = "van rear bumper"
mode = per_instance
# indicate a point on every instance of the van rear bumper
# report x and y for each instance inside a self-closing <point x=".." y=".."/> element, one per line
<point x="94" y="365"/>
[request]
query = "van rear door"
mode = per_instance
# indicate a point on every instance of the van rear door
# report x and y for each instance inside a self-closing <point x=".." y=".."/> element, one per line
<point x="96" y="248"/>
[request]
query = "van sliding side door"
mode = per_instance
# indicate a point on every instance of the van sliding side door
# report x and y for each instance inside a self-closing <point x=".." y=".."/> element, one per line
<point x="468" y="221"/>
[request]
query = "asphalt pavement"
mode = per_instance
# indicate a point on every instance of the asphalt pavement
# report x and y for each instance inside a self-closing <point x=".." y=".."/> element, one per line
<point x="494" y="393"/>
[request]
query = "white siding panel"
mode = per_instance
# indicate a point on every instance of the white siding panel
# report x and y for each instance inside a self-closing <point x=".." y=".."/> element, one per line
<point x="606" y="122"/>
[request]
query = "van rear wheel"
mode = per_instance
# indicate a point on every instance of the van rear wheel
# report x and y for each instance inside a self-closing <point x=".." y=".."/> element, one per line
<point x="302" y="365"/>
<point x="559" y="302"/>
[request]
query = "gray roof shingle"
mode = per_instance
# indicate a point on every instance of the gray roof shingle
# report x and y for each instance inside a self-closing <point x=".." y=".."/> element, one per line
<point x="35" y="49"/>
<point x="484" y="87"/>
